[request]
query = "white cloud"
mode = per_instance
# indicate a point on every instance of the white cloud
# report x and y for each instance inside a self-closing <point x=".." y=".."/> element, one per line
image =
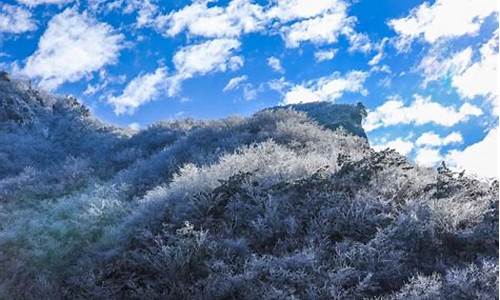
<point x="104" y="81"/>
<point x="73" y="46"/>
<point x="234" y="83"/>
<point x="403" y="147"/>
<point x="432" y="139"/>
<point x="288" y="10"/>
<point x="147" y="12"/>
<point x="358" y="41"/>
<point x="279" y="85"/>
<point x="421" y="111"/>
<point x="379" y="47"/>
<point x="470" y="78"/>
<point x="323" y="55"/>
<point x="240" y="16"/>
<point x="480" y="158"/>
<point x="433" y="67"/>
<point x="479" y="78"/>
<point x="249" y="91"/>
<point x="298" y="21"/>
<point x="134" y="126"/>
<point x="211" y="56"/>
<point x="442" y="20"/>
<point x="318" y="22"/>
<point x="328" y="88"/>
<point x="428" y="157"/>
<point x="40" y="2"/>
<point x="275" y="64"/>
<point x="324" y="29"/>
<point x="382" y="69"/>
<point x="15" y="19"/>
<point x="376" y="59"/>
<point x="142" y="89"/>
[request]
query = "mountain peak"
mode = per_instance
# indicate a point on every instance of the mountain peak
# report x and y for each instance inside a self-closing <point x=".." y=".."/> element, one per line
<point x="334" y="116"/>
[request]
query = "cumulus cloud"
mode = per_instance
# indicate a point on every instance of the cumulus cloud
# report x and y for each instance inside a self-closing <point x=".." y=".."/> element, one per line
<point x="479" y="78"/>
<point x="147" y="12"/>
<point x="240" y="16"/>
<point x="480" y="158"/>
<point x="328" y="88"/>
<point x="40" y="2"/>
<point x="73" y="46"/>
<point x="443" y="19"/>
<point x="428" y="157"/>
<point x="142" y="89"/>
<point x="434" y="140"/>
<point x="324" y="29"/>
<point x="323" y="55"/>
<point x="470" y="78"/>
<point x="288" y="10"/>
<point x="240" y="82"/>
<point x="358" y="41"/>
<point x="298" y="21"/>
<point x="421" y="111"/>
<point x="275" y="64"/>
<point x="318" y="22"/>
<point x="433" y="66"/>
<point x="402" y="146"/>
<point x="234" y="83"/>
<point x="15" y="19"/>
<point x="210" y="56"/>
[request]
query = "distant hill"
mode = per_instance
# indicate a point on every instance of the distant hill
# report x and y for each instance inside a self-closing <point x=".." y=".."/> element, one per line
<point x="289" y="203"/>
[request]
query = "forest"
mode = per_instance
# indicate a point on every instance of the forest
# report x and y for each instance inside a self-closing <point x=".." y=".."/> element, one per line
<point x="288" y="203"/>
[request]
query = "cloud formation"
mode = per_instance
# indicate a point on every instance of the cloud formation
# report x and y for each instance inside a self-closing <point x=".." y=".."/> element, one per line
<point x="421" y="111"/>
<point x="240" y="16"/>
<point x="428" y="157"/>
<point x="73" y="46"/>
<point x="210" y="56"/>
<point x="216" y="55"/>
<point x="275" y="64"/>
<point x="15" y="19"/>
<point x="444" y="19"/>
<point x="234" y="83"/>
<point x="480" y="158"/>
<point x="328" y="88"/>
<point x="324" y="29"/>
<point x="323" y="55"/>
<point x="402" y="146"/>
<point x="142" y="89"/>
<point x="479" y="78"/>
<point x="32" y="3"/>
<point x="434" y="140"/>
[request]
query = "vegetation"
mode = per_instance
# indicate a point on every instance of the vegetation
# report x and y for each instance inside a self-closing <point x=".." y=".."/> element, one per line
<point x="289" y="203"/>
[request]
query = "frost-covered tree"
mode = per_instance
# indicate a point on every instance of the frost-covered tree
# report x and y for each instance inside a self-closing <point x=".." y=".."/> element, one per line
<point x="290" y="203"/>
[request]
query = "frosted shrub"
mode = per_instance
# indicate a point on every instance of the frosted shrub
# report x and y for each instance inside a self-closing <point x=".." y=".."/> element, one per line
<point x="48" y="240"/>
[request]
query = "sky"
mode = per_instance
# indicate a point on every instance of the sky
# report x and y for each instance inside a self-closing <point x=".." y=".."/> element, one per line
<point x="425" y="70"/>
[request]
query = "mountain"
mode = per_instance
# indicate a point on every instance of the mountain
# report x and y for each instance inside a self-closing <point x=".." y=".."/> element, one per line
<point x="333" y="116"/>
<point x="290" y="202"/>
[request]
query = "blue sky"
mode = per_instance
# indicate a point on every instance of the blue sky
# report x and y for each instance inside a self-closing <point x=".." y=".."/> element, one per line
<point x="426" y="71"/>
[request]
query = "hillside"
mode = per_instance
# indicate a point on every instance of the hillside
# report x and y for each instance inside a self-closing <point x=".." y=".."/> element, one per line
<point x="289" y="203"/>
